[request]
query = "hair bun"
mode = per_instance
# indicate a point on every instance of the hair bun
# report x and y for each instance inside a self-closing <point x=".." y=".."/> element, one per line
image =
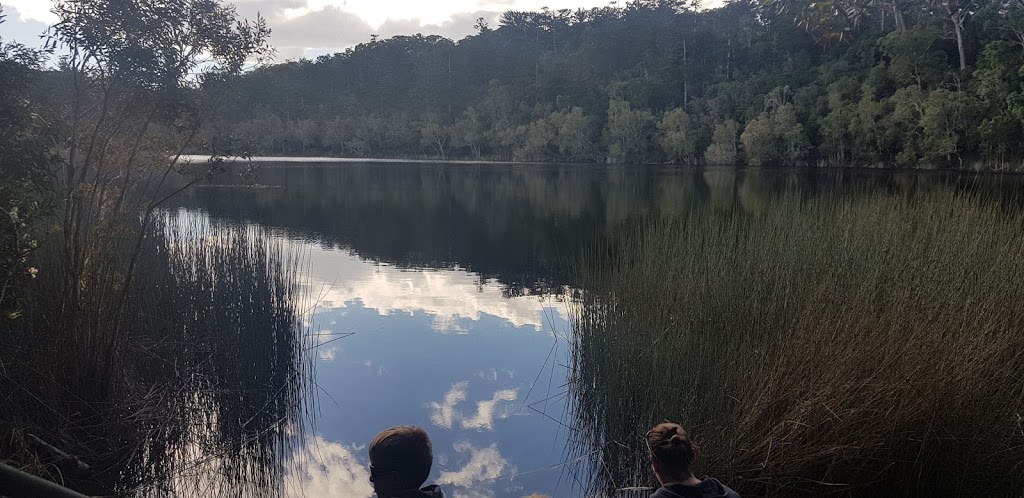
<point x="676" y="440"/>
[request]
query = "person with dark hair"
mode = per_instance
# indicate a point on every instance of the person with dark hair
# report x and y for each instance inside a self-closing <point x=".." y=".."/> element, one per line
<point x="400" y="461"/>
<point x="672" y="457"/>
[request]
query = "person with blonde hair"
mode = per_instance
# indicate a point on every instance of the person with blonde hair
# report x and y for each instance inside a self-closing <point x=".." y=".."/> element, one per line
<point x="400" y="461"/>
<point x="672" y="458"/>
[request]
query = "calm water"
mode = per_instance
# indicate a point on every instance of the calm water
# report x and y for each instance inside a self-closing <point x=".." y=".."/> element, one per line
<point x="435" y="292"/>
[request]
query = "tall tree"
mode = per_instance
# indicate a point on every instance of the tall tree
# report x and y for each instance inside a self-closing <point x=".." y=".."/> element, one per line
<point x="142" y="78"/>
<point x="957" y="12"/>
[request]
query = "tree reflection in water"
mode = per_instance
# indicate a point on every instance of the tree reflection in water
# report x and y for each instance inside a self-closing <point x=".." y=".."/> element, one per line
<point x="208" y="395"/>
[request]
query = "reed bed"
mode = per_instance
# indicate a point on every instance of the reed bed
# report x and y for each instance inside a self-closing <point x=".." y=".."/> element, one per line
<point x="207" y="391"/>
<point x="852" y="345"/>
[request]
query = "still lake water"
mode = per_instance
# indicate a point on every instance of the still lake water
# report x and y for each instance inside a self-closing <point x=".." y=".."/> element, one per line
<point x="436" y="291"/>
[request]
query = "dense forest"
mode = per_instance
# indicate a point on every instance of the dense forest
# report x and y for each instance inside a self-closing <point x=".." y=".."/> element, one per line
<point x="909" y="83"/>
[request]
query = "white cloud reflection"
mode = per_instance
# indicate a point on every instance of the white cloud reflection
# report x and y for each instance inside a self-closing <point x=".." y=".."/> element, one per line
<point x="445" y="414"/>
<point x="337" y="279"/>
<point x="487" y="410"/>
<point x="477" y="477"/>
<point x="326" y="470"/>
<point x="449" y="297"/>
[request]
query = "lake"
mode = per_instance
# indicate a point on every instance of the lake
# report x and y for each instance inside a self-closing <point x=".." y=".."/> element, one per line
<point x="437" y="295"/>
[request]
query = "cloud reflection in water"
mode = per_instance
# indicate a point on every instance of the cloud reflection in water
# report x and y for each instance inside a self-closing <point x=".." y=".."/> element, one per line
<point x="328" y="469"/>
<point x="476" y="478"/>
<point x="446" y="295"/>
<point x="445" y="413"/>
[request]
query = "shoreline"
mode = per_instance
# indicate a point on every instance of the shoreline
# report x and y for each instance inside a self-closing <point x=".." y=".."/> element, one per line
<point x="199" y="158"/>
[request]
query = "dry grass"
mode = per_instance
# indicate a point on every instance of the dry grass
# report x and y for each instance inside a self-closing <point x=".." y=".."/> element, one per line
<point x="854" y="345"/>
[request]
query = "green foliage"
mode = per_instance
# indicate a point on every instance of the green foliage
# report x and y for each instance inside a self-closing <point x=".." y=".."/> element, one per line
<point x="724" y="148"/>
<point x="944" y="124"/>
<point x="774" y="137"/>
<point x="617" y="79"/>
<point x="434" y="134"/>
<point x="678" y="136"/>
<point x="538" y="142"/>
<point x="157" y="44"/>
<point x="908" y="106"/>
<point x="912" y="58"/>
<point x="998" y="82"/>
<point x="873" y="131"/>
<point x="575" y="134"/>
<point x="628" y="133"/>
<point x="27" y="166"/>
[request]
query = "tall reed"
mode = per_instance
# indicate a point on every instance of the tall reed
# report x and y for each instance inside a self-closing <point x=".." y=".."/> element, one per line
<point x="209" y="390"/>
<point x="862" y="345"/>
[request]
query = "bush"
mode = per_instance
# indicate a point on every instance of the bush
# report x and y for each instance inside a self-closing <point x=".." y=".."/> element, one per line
<point x="724" y="149"/>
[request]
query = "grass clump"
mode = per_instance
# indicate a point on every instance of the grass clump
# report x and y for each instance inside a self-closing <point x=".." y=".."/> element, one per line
<point x="868" y="345"/>
<point x="206" y="389"/>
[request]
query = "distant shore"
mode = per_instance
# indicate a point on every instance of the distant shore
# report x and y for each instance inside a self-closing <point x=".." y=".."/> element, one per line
<point x="195" y="158"/>
<point x="198" y="158"/>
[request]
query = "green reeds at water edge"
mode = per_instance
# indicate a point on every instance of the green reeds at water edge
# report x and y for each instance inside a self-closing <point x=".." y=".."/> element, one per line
<point x="856" y="345"/>
<point x="209" y="391"/>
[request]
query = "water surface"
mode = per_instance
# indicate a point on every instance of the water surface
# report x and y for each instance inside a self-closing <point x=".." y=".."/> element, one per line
<point x="436" y="291"/>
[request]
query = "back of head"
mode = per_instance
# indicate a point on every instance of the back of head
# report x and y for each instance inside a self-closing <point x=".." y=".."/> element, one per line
<point x="671" y="446"/>
<point x="406" y="452"/>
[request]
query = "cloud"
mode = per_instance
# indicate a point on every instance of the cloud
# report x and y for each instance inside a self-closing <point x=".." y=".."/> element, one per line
<point x="17" y="28"/>
<point x="485" y="410"/>
<point x="447" y="296"/>
<point x="332" y="29"/>
<point x="35" y="10"/>
<point x="326" y="28"/>
<point x="335" y="279"/>
<point x="444" y="414"/>
<point x="448" y="324"/>
<point x="328" y="469"/>
<point x="484" y="468"/>
<point x="271" y="10"/>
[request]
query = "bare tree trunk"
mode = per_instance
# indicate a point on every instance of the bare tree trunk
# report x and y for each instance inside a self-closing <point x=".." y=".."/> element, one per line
<point x="897" y="17"/>
<point x="958" y="27"/>
<point x="686" y="74"/>
<point x="957" y="14"/>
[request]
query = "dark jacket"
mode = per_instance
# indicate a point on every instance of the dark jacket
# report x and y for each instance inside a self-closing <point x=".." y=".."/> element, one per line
<point x="708" y="488"/>
<point x="432" y="491"/>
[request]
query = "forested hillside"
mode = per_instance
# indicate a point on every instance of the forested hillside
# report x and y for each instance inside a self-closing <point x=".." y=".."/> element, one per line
<point x="907" y="83"/>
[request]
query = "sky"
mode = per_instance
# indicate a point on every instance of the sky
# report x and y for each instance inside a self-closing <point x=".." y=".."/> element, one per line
<point x="308" y="28"/>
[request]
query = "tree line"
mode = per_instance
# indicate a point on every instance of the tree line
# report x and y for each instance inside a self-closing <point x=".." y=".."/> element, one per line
<point x="911" y="83"/>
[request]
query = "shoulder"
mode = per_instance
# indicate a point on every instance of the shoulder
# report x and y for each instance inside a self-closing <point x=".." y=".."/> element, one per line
<point x="729" y="493"/>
